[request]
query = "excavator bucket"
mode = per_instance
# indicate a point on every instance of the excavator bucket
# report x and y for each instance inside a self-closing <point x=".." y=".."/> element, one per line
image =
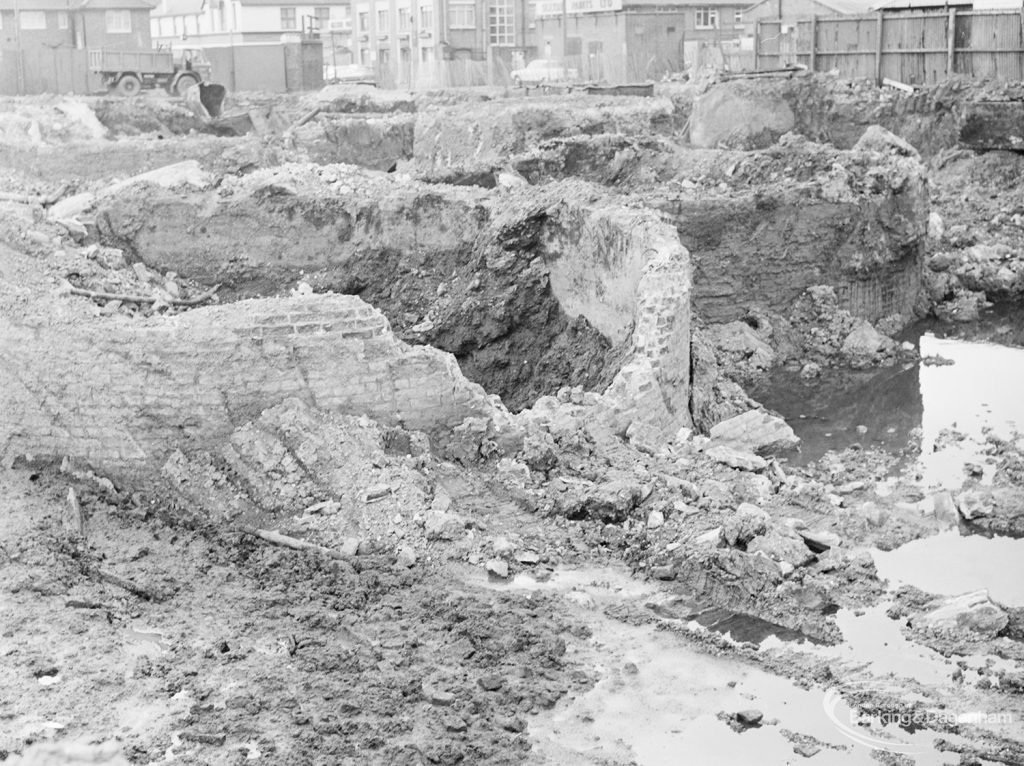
<point x="206" y="99"/>
<point x="212" y="97"/>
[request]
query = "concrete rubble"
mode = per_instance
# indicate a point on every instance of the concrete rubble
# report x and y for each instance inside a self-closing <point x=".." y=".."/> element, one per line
<point x="391" y="428"/>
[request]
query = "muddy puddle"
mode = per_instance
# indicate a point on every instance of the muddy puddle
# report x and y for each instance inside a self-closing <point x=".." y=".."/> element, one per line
<point x="949" y="564"/>
<point x="939" y="411"/>
<point x="661" y="701"/>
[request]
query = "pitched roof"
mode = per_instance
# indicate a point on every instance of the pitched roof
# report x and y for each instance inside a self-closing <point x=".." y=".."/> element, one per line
<point x="847" y="7"/>
<point x="897" y="5"/>
<point x="841" y="7"/>
<point x="178" y="8"/>
<point x="74" y="5"/>
<point x="38" y="5"/>
<point x="97" y="5"/>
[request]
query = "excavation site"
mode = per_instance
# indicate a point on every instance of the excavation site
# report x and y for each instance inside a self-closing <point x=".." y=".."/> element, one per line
<point x="676" y="425"/>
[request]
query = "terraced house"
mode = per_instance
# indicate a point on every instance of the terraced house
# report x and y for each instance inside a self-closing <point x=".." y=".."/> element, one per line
<point x="43" y="43"/>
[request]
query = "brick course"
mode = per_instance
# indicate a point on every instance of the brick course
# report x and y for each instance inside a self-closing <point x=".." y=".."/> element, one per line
<point x="114" y="392"/>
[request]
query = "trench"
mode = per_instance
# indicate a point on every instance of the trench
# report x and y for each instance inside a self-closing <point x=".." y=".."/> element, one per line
<point x="508" y="331"/>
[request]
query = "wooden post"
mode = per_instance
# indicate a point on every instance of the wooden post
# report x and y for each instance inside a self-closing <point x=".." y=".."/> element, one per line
<point x="814" y="42"/>
<point x="878" y="51"/>
<point x="951" y="44"/>
<point x="757" y="43"/>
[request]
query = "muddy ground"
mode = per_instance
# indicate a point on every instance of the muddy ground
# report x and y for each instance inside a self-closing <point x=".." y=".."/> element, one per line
<point x="588" y="598"/>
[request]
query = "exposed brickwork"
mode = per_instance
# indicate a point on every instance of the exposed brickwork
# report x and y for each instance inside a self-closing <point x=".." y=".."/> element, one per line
<point x="621" y="268"/>
<point x="114" y="392"/>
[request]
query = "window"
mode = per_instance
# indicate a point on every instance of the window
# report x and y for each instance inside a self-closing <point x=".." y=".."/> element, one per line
<point x="62" y="19"/>
<point x="364" y="56"/>
<point x="382" y="22"/>
<point x="33" y="19"/>
<point x="404" y="19"/>
<point x="462" y="16"/>
<point x="288" y="19"/>
<point x="323" y="18"/>
<point x="426" y="19"/>
<point x="119" y="22"/>
<point x="364" y="22"/>
<point x="426" y="55"/>
<point x="737" y="17"/>
<point x="501" y="23"/>
<point x="383" y="56"/>
<point x="706" y="18"/>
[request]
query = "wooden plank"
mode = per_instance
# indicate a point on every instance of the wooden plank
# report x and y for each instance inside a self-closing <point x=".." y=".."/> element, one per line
<point x="879" y="49"/>
<point x="951" y="43"/>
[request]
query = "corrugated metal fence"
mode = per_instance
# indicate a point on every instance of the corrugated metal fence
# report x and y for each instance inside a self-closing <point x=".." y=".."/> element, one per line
<point x="913" y="48"/>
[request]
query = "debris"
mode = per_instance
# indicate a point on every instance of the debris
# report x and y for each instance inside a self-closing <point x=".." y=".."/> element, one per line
<point x="736" y="458"/>
<point x="128" y="585"/>
<point x="750" y="717"/>
<point x="74" y="521"/>
<point x="755" y="430"/>
<point x="497" y="568"/>
<point x="491" y="682"/>
<point x="291" y="542"/>
<point x="973" y="614"/>
<point x="819" y="541"/>
<point x="889" y="83"/>
<point x="103" y="296"/>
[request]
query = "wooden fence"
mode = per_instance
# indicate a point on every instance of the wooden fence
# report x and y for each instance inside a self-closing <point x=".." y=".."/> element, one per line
<point x="913" y="48"/>
<point x="45" y="70"/>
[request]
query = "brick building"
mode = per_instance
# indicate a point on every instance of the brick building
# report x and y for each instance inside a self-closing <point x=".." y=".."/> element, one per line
<point x="437" y="42"/>
<point x="53" y="24"/>
<point x="46" y="49"/>
<point x="634" y="40"/>
<point x="195" y="23"/>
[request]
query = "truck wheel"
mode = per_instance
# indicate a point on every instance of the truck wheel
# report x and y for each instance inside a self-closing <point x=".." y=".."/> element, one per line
<point x="129" y="85"/>
<point x="185" y="82"/>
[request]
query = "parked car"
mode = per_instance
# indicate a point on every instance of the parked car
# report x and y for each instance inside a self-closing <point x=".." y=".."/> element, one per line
<point x="541" y="71"/>
<point x="350" y="73"/>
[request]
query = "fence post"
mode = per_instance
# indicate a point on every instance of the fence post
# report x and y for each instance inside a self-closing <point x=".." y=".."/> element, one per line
<point x="878" y="51"/>
<point x="814" y="42"/>
<point x="757" y="43"/>
<point x="951" y="44"/>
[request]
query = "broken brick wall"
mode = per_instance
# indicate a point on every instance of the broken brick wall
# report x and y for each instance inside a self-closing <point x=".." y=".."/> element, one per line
<point x="117" y="392"/>
<point x="531" y="290"/>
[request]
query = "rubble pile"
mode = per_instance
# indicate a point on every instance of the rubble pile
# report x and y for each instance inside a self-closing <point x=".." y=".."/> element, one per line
<point x="402" y="460"/>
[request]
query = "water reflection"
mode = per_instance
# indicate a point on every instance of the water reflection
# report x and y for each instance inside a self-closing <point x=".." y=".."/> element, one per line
<point x="907" y="409"/>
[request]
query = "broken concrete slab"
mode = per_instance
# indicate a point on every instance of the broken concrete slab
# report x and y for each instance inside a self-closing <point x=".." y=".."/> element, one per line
<point x="739" y="115"/>
<point x="972" y="614"/>
<point x="736" y="458"/>
<point x="756" y="430"/>
<point x="878" y="139"/>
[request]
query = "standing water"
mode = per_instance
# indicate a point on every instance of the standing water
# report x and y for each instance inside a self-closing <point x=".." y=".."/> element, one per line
<point x="969" y="386"/>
